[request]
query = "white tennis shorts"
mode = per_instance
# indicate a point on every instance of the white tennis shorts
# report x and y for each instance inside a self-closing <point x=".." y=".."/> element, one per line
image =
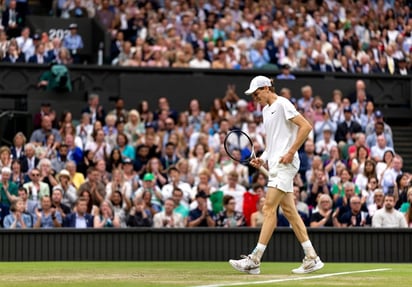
<point x="281" y="176"/>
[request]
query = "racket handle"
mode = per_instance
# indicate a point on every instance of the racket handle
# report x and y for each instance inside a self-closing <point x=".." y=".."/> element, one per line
<point x="264" y="171"/>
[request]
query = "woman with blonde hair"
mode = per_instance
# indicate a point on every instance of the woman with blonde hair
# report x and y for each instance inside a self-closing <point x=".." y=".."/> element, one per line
<point x="118" y="183"/>
<point x="324" y="216"/>
<point x="106" y="216"/>
<point x="5" y="157"/>
<point x="184" y="169"/>
<point x="133" y="128"/>
<point x="155" y="167"/>
<point x="17" y="150"/>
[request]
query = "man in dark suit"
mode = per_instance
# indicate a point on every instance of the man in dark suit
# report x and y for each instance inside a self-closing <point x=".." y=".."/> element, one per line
<point x="80" y="218"/>
<point x="40" y="57"/>
<point x="381" y="67"/>
<point x="12" y="20"/>
<point x="347" y="129"/>
<point x="94" y="109"/>
<point x="321" y="65"/>
<point x="402" y="68"/>
<point x="29" y="160"/>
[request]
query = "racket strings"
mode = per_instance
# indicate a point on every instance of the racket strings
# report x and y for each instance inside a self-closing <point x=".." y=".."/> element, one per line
<point x="239" y="146"/>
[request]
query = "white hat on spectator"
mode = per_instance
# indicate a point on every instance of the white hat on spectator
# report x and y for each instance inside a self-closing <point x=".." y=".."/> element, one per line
<point x="258" y="82"/>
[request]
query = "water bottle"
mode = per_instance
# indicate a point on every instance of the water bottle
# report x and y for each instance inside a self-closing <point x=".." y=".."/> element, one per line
<point x="100" y="54"/>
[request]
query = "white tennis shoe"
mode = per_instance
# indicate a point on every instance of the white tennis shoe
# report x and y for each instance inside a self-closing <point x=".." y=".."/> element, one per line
<point x="246" y="264"/>
<point x="309" y="265"/>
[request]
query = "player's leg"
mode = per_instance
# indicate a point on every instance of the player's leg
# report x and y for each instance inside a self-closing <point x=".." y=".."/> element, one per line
<point x="311" y="262"/>
<point x="251" y="263"/>
<point x="272" y="200"/>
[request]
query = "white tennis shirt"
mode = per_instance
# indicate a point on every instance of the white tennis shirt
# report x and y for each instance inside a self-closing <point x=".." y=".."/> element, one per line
<point x="280" y="131"/>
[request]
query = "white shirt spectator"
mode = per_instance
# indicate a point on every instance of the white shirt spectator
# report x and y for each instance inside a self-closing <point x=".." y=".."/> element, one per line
<point x="383" y="218"/>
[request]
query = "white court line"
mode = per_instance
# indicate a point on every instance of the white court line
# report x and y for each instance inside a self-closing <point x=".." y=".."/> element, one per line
<point x="296" y="278"/>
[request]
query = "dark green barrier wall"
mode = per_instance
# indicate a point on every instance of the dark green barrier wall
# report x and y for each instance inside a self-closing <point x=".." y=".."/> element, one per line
<point x="200" y="244"/>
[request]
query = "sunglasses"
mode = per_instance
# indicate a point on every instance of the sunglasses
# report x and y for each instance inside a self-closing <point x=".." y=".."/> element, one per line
<point x="35" y="174"/>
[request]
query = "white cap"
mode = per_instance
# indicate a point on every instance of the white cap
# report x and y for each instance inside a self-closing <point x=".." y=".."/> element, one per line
<point x="258" y="82"/>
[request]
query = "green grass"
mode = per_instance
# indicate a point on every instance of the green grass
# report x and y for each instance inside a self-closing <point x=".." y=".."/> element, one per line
<point x="191" y="274"/>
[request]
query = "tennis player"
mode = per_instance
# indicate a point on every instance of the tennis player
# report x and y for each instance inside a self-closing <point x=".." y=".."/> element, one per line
<point x="286" y="130"/>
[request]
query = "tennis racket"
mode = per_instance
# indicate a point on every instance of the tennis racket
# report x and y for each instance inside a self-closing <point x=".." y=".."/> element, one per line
<point x="239" y="147"/>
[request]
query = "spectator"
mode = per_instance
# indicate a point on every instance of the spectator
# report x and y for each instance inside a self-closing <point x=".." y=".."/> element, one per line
<point x="355" y="217"/>
<point x="36" y="188"/>
<point x="140" y="215"/>
<point x="378" y="202"/>
<point x="201" y="216"/>
<point x="5" y="157"/>
<point x="56" y="198"/>
<point x="74" y="43"/>
<point x="234" y="189"/>
<point x="47" y="173"/>
<point x="229" y="217"/>
<point x="94" y="186"/>
<point x="61" y="159"/>
<point x="285" y="73"/>
<point x="8" y="191"/>
<point x="101" y="149"/>
<point x="78" y="11"/>
<point x="17" y="175"/>
<point x="199" y="61"/>
<point x="357" y="164"/>
<point x="323" y="146"/>
<point x="69" y="192"/>
<point x="105" y="16"/>
<point x="324" y="216"/>
<point x="347" y="129"/>
<point x="38" y="137"/>
<point x="168" y="217"/>
<point x="175" y="181"/>
<point x="371" y="139"/>
<point x="14" y="54"/>
<point x="256" y="219"/>
<point x="39" y="57"/>
<point x="379" y="148"/>
<point x="80" y="218"/>
<point x="12" y="20"/>
<point x="388" y="216"/>
<point x="378" y="118"/>
<point x="401" y="189"/>
<point x="305" y="102"/>
<point x="29" y="160"/>
<point x="149" y="184"/>
<point x="47" y="216"/>
<point x="403" y="68"/>
<point x="405" y="207"/>
<point x="17" y="219"/>
<point x="325" y="122"/>
<point x="369" y="171"/>
<point x="340" y="189"/>
<point x="17" y="149"/>
<point x="119" y="184"/>
<point x="318" y="185"/>
<point x="95" y="110"/>
<point x="106" y="217"/>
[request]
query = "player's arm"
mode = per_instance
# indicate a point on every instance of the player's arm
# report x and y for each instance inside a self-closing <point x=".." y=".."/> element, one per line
<point x="304" y="128"/>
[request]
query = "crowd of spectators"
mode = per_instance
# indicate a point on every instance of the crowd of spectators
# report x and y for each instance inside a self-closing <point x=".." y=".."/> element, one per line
<point x="156" y="166"/>
<point x="369" y="36"/>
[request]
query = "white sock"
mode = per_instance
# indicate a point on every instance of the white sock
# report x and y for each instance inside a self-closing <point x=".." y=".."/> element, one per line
<point x="257" y="253"/>
<point x="308" y="249"/>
